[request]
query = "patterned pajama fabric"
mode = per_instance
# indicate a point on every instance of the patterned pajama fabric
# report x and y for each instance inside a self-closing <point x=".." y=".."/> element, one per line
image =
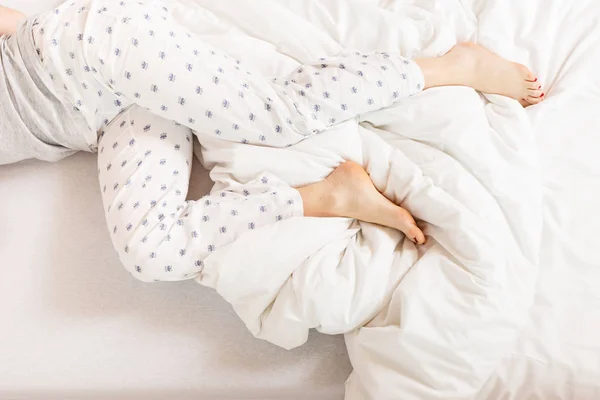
<point x="128" y="70"/>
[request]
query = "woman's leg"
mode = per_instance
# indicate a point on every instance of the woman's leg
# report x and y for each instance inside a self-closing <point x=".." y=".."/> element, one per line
<point x="144" y="166"/>
<point x="112" y="29"/>
<point x="141" y="52"/>
<point x="138" y="50"/>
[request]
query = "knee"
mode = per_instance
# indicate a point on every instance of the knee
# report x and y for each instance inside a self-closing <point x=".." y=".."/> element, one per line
<point x="156" y="263"/>
<point x="136" y="263"/>
<point x="134" y="259"/>
<point x="140" y="265"/>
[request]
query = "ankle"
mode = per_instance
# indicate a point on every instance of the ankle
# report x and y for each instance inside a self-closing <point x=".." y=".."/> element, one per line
<point x="452" y="69"/>
<point x="437" y="71"/>
<point x="428" y="69"/>
<point x="319" y="200"/>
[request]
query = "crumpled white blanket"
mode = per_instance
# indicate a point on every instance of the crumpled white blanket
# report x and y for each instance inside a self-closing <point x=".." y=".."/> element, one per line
<point x="420" y="323"/>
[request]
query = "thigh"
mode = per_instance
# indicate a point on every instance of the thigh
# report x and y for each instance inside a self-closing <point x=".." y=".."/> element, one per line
<point x="144" y="165"/>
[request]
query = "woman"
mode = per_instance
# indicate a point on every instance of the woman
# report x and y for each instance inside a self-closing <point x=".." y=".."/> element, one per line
<point x="124" y="79"/>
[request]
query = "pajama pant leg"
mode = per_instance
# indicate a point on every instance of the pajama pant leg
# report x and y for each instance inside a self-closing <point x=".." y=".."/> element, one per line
<point x="144" y="170"/>
<point x="136" y="49"/>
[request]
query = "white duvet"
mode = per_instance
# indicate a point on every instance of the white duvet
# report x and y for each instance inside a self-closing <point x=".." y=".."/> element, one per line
<point x="435" y="322"/>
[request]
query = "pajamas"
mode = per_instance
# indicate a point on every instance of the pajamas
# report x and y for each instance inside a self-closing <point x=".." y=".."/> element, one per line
<point x="144" y="168"/>
<point x="130" y="59"/>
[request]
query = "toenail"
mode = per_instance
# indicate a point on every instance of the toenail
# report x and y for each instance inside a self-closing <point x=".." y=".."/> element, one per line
<point x="535" y="80"/>
<point x="542" y="95"/>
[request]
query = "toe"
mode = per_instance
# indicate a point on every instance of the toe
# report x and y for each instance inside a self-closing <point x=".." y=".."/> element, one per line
<point x="418" y="236"/>
<point x="530" y="76"/>
<point x="535" y="100"/>
<point x="531" y="101"/>
<point x="532" y="97"/>
<point x="407" y="224"/>
<point x="536" y="94"/>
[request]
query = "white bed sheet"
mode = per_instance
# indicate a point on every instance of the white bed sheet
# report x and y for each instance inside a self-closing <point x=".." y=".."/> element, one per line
<point x="74" y="324"/>
<point x="558" y="353"/>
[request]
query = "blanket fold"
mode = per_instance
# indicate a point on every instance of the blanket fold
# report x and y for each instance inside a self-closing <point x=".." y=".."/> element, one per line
<point x="421" y="323"/>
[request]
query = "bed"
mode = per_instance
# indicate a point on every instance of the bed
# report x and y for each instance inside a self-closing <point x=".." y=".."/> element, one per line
<point x="76" y="325"/>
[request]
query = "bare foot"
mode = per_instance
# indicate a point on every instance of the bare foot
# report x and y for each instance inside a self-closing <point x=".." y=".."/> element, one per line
<point x="349" y="192"/>
<point x="469" y="64"/>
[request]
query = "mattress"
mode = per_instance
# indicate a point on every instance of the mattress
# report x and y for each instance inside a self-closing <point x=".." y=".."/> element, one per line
<point x="74" y="324"/>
